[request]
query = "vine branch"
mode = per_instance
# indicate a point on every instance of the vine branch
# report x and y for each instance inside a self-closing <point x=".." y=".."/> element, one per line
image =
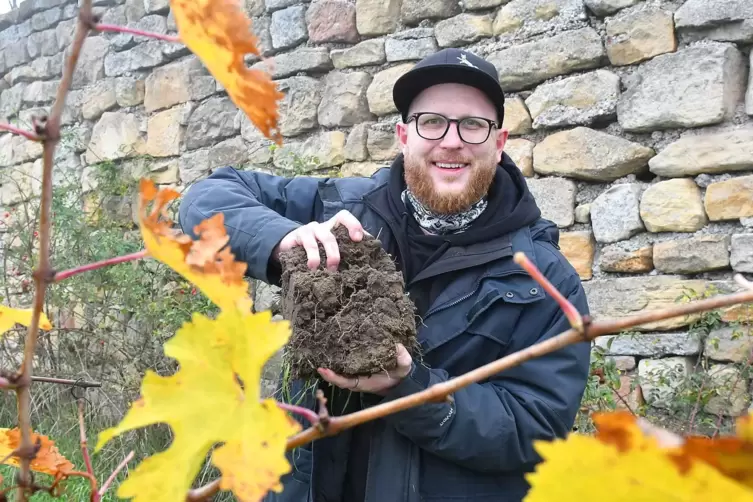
<point x="22" y="132"/>
<point x="135" y="31"/>
<point x="65" y="274"/>
<point x="438" y="392"/>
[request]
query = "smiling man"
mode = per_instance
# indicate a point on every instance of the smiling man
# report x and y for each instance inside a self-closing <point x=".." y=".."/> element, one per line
<point x="452" y="209"/>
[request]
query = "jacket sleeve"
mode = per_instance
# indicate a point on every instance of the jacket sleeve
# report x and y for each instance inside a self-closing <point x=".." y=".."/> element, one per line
<point x="491" y="426"/>
<point x="259" y="210"/>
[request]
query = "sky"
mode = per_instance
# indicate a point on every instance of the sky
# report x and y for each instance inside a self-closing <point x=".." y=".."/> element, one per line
<point x="5" y="5"/>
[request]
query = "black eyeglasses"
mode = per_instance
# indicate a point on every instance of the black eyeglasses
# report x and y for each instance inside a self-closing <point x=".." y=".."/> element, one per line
<point x="433" y="126"/>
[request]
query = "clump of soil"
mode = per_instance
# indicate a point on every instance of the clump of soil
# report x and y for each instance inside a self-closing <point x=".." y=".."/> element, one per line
<point x="349" y="320"/>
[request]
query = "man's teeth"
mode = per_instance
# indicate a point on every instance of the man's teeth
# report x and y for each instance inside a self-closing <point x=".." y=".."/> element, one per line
<point x="449" y="166"/>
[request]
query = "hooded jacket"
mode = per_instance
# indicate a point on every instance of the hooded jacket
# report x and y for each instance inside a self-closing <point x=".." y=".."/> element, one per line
<point x="479" y="306"/>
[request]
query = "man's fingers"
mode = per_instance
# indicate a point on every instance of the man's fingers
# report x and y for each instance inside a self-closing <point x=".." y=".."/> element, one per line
<point x="355" y="229"/>
<point x="308" y="241"/>
<point x="331" y="250"/>
<point x="335" y="379"/>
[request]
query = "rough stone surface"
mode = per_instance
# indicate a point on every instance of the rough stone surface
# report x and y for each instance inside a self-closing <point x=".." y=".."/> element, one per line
<point x="556" y="199"/>
<point x="171" y="84"/>
<point x="640" y="35"/>
<point x="583" y="213"/>
<point x="98" y="98"/>
<point x="579" y="100"/>
<point x="303" y="59"/>
<point x="578" y="247"/>
<point x="299" y="107"/>
<point x="696" y="86"/>
<point x="355" y="145"/>
<point x="741" y="256"/>
<point x="364" y="169"/>
<point x="415" y="11"/>
<point x="673" y="206"/>
<point x="535" y="16"/>
<point x="517" y="119"/>
<point x="715" y="153"/>
<point x="615" y="213"/>
<point x="463" y="29"/>
<point x="377" y="17"/>
<point x="368" y="52"/>
<point x="623" y="363"/>
<point x="660" y="379"/>
<point x="90" y="66"/>
<point x="521" y="153"/>
<point x="481" y="4"/>
<point x="588" y="154"/>
<point x="651" y="344"/>
<point x="324" y="149"/>
<point x="606" y="7"/>
<point x="729" y="344"/>
<point x="344" y="100"/>
<point x="211" y="120"/>
<point x="379" y="93"/>
<point x="411" y="45"/>
<point x="116" y="135"/>
<point x="130" y="91"/>
<point x="523" y="66"/>
<point x="164" y="133"/>
<point x="381" y="143"/>
<point x="731" y="397"/>
<point x="288" y="27"/>
<point x="332" y="21"/>
<point x="704" y="13"/>
<point x="729" y="200"/>
<point x="693" y="255"/>
<point x="614" y="258"/>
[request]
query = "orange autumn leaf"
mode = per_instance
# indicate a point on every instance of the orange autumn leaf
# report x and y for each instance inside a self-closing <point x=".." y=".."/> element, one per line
<point x="9" y="317"/>
<point x="205" y="405"/>
<point x="622" y="463"/>
<point x="206" y="262"/>
<point x="48" y="459"/>
<point x="732" y="456"/>
<point x="220" y="34"/>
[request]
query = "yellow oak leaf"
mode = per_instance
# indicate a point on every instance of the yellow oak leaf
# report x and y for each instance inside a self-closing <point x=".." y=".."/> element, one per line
<point x="9" y="317"/>
<point x="213" y="400"/>
<point x="220" y="34"/>
<point x="48" y="459"/>
<point x="206" y="262"/>
<point x="621" y="463"/>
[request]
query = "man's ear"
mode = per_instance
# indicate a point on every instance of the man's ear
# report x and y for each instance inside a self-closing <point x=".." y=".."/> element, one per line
<point x="401" y="131"/>
<point x="502" y="135"/>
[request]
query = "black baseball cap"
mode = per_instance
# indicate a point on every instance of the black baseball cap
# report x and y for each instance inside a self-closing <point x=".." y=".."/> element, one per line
<point x="449" y="66"/>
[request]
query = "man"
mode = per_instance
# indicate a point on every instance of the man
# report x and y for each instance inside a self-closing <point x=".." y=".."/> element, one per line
<point x="451" y="209"/>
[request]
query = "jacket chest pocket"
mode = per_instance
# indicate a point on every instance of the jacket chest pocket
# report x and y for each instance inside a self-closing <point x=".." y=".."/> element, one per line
<point x="499" y="306"/>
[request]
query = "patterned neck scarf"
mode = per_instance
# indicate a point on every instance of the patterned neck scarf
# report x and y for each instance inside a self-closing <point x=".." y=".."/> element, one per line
<point x="442" y="224"/>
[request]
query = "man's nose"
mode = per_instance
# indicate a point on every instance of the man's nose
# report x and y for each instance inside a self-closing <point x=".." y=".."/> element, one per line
<point x="452" y="138"/>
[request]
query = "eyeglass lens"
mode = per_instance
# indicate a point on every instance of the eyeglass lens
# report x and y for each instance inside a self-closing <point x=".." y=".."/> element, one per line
<point x="434" y="126"/>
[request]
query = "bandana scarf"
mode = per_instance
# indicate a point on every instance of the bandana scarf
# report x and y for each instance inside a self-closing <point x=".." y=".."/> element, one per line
<point x="442" y="223"/>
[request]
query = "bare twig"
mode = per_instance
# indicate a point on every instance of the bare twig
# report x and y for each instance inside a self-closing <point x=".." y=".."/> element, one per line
<point x="17" y="130"/>
<point x="59" y="276"/>
<point x="65" y="381"/>
<point x="114" y="474"/>
<point x="42" y="274"/>
<point x="5" y="384"/>
<point x="135" y="31"/>
<point x="82" y="436"/>
<point x="310" y="415"/>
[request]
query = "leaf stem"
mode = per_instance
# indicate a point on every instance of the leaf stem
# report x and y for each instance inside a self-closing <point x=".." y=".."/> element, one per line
<point x="135" y="31"/>
<point x="59" y="276"/>
<point x="23" y="132"/>
<point x="119" y="468"/>
<point x="82" y="436"/>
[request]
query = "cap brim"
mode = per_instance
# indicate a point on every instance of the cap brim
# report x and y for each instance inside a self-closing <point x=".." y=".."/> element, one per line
<point x="409" y="85"/>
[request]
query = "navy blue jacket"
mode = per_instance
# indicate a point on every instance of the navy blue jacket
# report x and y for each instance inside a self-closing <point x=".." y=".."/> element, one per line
<point x="477" y="447"/>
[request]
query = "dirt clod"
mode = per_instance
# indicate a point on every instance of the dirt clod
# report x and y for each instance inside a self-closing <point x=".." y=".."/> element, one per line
<point x="350" y="320"/>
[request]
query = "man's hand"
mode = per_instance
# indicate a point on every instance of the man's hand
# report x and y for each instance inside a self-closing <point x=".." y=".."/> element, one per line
<point x="375" y="384"/>
<point x="311" y="234"/>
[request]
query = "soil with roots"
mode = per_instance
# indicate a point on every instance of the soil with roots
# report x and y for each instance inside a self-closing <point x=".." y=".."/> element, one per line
<point x="350" y="320"/>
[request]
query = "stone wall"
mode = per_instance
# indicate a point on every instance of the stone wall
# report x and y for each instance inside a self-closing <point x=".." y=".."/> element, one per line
<point x="632" y="121"/>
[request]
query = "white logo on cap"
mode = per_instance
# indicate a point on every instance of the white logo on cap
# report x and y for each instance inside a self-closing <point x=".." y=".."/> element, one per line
<point x="464" y="60"/>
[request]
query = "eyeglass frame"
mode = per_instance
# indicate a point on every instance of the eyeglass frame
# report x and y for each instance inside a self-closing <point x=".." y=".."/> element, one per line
<point x="492" y="123"/>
